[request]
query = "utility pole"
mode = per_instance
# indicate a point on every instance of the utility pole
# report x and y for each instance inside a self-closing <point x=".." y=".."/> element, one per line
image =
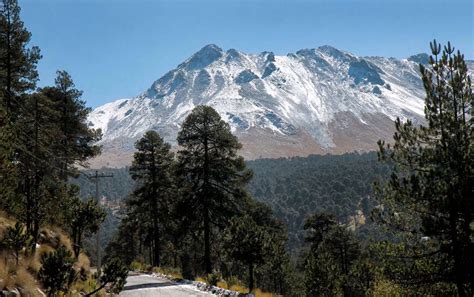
<point x="96" y="177"/>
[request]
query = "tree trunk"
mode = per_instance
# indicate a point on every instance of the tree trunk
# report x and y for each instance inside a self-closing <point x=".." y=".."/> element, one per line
<point x="36" y="227"/>
<point x="251" y="281"/>
<point x="150" y="254"/>
<point x="458" y="261"/>
<point x="207" y="243"/>
<point x="156" y="240"/>
<point x="74" y="242"/>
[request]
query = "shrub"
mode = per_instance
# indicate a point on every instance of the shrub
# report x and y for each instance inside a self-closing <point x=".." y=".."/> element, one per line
<point x="115" y="274"/>
<point x="137" y="266"/>
<point x="57" y="272"/>
<point x="15" y="239"/>
<point x="213" y="278"/>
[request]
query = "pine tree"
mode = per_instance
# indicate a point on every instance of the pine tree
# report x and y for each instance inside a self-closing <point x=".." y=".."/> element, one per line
<point x="214" y="174"/>
<point x="75" y="139"/>
<point x="86" y="219"/>
<point x="114" y="275"/>
<point x="35" y="135"/>
<point x="246" y="242"/>
<point x="317" y="226"/>
<point x="17" y="62"/>
<point x="333" y="252"/>
<point x="57" y="271"/>
<point x="18" y="75"/>
<point x="429" y="195"/>
<point x="15" y="239"/>
<point x="151" y="167"/>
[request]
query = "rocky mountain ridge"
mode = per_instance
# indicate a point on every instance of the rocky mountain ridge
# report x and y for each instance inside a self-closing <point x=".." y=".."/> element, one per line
<point x="314" y="101"/>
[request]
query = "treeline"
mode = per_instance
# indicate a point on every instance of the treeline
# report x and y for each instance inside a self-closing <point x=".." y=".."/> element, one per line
<point x="43" y="137"/>
<point x="294" y="188"/>
<point x="298" y="187"/>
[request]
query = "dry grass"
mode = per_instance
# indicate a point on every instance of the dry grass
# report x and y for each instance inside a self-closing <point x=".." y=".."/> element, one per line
<point x="22" y="277"/>
<point x="222" y="284"/>
<point x="241" y="289"/>
<point x="56" y="237"/>
<point x="64" y="239"/>
<point x="86" y="286"/>
<point x="260" y="293"/>
<point x="12" y="277"/>
<point x="26" y="282"/>
<point x="83" y="262"/>
<point x="171" y="272"/>
<point x="89" y="285"/>
<point x="6" y="275"/>
<point x="34" y="262"/>
<point x="137" y="266"/>
<point x="200" y="279"/>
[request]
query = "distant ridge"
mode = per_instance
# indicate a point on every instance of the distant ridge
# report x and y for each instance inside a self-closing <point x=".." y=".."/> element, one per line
<point x="321" y="100"/>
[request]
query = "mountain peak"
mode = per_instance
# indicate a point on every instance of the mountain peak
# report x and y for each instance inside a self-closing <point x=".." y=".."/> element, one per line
<point x="210" y="48"/>
<point x="205" y="56"/>
<point x="331" y="51"/>
<point x="422" y="58"/>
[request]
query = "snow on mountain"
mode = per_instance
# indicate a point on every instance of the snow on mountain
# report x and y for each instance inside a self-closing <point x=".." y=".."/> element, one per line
<point x="321" y="100"/>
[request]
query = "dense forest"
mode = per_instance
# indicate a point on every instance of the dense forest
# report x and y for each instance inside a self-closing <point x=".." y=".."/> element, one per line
<point x="297" y="187"/>
<point x="294" y="188"/>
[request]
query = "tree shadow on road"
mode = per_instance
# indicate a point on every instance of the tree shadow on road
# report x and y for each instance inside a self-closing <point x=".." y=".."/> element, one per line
<point x="148" y="285"/>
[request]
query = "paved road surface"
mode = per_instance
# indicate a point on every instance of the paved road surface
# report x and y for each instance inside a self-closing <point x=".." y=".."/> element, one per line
<point x="143" y="285"/>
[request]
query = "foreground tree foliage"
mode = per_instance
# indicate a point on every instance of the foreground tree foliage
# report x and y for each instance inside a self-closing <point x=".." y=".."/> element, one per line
<point x="213" y="173"/>
<point x="428" y="199"/>
<point x="333" y="263"/>
<point x="75" y="141"/>
<point x="57" y="272"/>
<point x="246" y="242"/>
<point x="15" y="240"/>
<point x="151" y="168"/>
<point x="18" y="75"/>
<point x="206" y="221"/>
<point x="114" y="274"/>
<point x="85" y="218"/>
<point x="44" y="135"/>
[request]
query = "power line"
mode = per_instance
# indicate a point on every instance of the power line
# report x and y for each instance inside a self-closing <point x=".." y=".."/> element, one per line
<point x="96" y="177"/>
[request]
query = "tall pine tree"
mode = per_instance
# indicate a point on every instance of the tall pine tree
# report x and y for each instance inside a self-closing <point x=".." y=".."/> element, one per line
<point x="215" y="175"/>
<point x="75" y="139"/>
<point x="17" y="62"/>
<point x="429" y="196"/>
<point x="151" y="167"/>
<point x="18" y="76"/>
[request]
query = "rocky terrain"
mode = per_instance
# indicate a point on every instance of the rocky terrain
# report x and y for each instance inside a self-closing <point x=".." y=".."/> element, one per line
<point x="314" y="101"/>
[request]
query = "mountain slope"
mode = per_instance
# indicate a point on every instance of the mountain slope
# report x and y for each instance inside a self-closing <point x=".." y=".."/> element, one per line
<point x="314" y="101"/>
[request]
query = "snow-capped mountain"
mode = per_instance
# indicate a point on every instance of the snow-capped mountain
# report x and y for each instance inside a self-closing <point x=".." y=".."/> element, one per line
<point x="321" y="100"/>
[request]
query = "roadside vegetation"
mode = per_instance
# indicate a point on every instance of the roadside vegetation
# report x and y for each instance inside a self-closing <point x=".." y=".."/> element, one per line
<point x="44" y="136"/>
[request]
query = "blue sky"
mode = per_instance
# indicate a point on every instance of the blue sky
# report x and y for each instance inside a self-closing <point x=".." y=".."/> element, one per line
<point x="116" y="48"/>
